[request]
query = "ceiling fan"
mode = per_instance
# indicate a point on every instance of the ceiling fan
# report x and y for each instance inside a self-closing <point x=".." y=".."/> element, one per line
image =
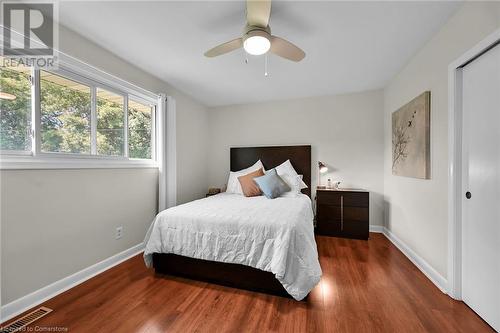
<point x="257" y="38"/>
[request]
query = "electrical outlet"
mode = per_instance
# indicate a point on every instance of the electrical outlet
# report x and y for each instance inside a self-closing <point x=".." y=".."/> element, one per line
<point x="119" y="232"/>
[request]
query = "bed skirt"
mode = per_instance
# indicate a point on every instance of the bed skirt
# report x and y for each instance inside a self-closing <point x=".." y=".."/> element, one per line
<point x="226" y="274"/>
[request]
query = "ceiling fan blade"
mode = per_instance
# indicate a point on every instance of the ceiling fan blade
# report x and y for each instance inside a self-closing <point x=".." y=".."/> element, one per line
<point x="224" y="48"/>
<point x="285" y="49"/>
<point x="258" y="12"/>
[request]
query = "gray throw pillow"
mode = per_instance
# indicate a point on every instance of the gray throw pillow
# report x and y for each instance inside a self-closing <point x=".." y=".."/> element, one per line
<point x="271" y="184"/>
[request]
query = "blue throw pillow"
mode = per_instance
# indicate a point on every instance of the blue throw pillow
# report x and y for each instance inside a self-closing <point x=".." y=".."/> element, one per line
<point x="271" y="184"/>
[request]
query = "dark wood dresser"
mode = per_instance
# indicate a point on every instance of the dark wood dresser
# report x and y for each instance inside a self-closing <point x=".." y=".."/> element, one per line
<point x="342" y="213"/>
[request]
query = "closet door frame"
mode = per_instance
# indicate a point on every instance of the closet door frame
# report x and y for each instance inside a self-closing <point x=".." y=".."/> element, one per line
<point x="455" y="129"/>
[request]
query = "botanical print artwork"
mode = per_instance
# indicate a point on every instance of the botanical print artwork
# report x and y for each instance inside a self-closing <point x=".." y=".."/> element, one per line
<point x="411" y="138"/>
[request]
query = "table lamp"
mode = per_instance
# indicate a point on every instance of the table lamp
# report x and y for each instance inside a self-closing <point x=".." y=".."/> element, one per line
<point x="322" y="168"/>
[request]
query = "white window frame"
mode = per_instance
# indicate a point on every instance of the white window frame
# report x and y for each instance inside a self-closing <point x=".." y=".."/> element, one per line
<point x="125" y="122"/>
<point x="154" y="129"/>
<point x="78" y="71"/>
<point x="12" y="152"/>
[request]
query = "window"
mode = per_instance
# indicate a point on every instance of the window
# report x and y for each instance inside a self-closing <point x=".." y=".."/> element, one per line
<point x="140" y="125"/>
<point x="65" y="114"/>
<point x="62" y="114"/>
<point x="110" y="123"/>
<point x="15" y="109"/>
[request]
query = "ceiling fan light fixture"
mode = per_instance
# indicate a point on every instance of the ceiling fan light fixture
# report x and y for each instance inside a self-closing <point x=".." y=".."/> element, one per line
<point x="256" y="38"/>
<point x="257" y="43"/>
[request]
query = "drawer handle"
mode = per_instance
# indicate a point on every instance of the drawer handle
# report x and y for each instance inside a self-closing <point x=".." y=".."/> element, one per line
<point x="342" y="213"/>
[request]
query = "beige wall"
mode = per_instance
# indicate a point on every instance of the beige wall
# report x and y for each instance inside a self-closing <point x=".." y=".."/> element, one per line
<point x="417" y="209"/>
<point x="57" y="222"/>
<point x="345" y="132"/>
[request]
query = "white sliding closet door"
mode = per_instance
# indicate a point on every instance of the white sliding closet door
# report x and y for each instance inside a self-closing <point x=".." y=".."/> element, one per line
<point x="481" y="181"/>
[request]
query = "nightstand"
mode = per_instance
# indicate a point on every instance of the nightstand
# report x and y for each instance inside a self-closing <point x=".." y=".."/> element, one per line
<point x="343" y="213"/>
<point x="213" y="191"/>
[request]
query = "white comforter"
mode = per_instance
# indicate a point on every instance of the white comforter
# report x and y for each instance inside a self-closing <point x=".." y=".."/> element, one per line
<point x="272" y="235"/>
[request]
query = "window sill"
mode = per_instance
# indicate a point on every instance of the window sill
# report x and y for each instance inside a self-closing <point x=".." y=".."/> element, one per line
<point x="33" y="163"/>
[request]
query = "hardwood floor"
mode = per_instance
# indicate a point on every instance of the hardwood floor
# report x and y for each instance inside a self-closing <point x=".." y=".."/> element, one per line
<point x="367" y="286"/>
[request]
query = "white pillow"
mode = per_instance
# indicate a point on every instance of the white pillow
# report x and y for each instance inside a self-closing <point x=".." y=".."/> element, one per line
<point x="302" y="184"/>
<point x="286" y="171"/>
<point x="286" y="168"/>
<point x="296" y="184"/>
<point x="233" y="184"/>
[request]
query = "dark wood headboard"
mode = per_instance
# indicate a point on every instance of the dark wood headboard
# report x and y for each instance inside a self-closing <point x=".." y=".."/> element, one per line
<point x="299" y="156"/>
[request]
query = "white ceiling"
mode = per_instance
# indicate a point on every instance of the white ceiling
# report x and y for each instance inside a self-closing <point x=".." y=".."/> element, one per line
<point x="350" y="46"/>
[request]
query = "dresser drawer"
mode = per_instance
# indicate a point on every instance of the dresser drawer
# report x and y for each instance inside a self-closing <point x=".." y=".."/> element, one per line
<point x="329" y="198"/>
<point x="353" y="199"/>
<point x="329" y="213"/>
<point x="328" y="228"/>
<point x="335" y="213"/>
<point x="355" y="229"/>
<point x="356" y="213"/>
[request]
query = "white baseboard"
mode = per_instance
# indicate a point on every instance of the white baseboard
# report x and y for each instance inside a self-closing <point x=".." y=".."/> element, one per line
<point x="418" y="261"/>
<point x="24" y="303"/>
<point x="376" y="228"/>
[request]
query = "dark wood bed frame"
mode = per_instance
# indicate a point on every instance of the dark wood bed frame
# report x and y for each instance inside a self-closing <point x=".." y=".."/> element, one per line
<point x="235" y="275"/>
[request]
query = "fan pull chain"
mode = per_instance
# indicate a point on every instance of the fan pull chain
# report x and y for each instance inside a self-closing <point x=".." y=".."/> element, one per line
<point x="246" y="57"/>
<point x="265" y="66"/>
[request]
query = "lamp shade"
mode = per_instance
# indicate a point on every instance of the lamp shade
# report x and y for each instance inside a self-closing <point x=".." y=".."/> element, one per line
<point x="322" y="167"/>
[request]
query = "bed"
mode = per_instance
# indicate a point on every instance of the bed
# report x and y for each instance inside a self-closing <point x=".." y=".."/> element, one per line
<point x="249" y="243"/>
